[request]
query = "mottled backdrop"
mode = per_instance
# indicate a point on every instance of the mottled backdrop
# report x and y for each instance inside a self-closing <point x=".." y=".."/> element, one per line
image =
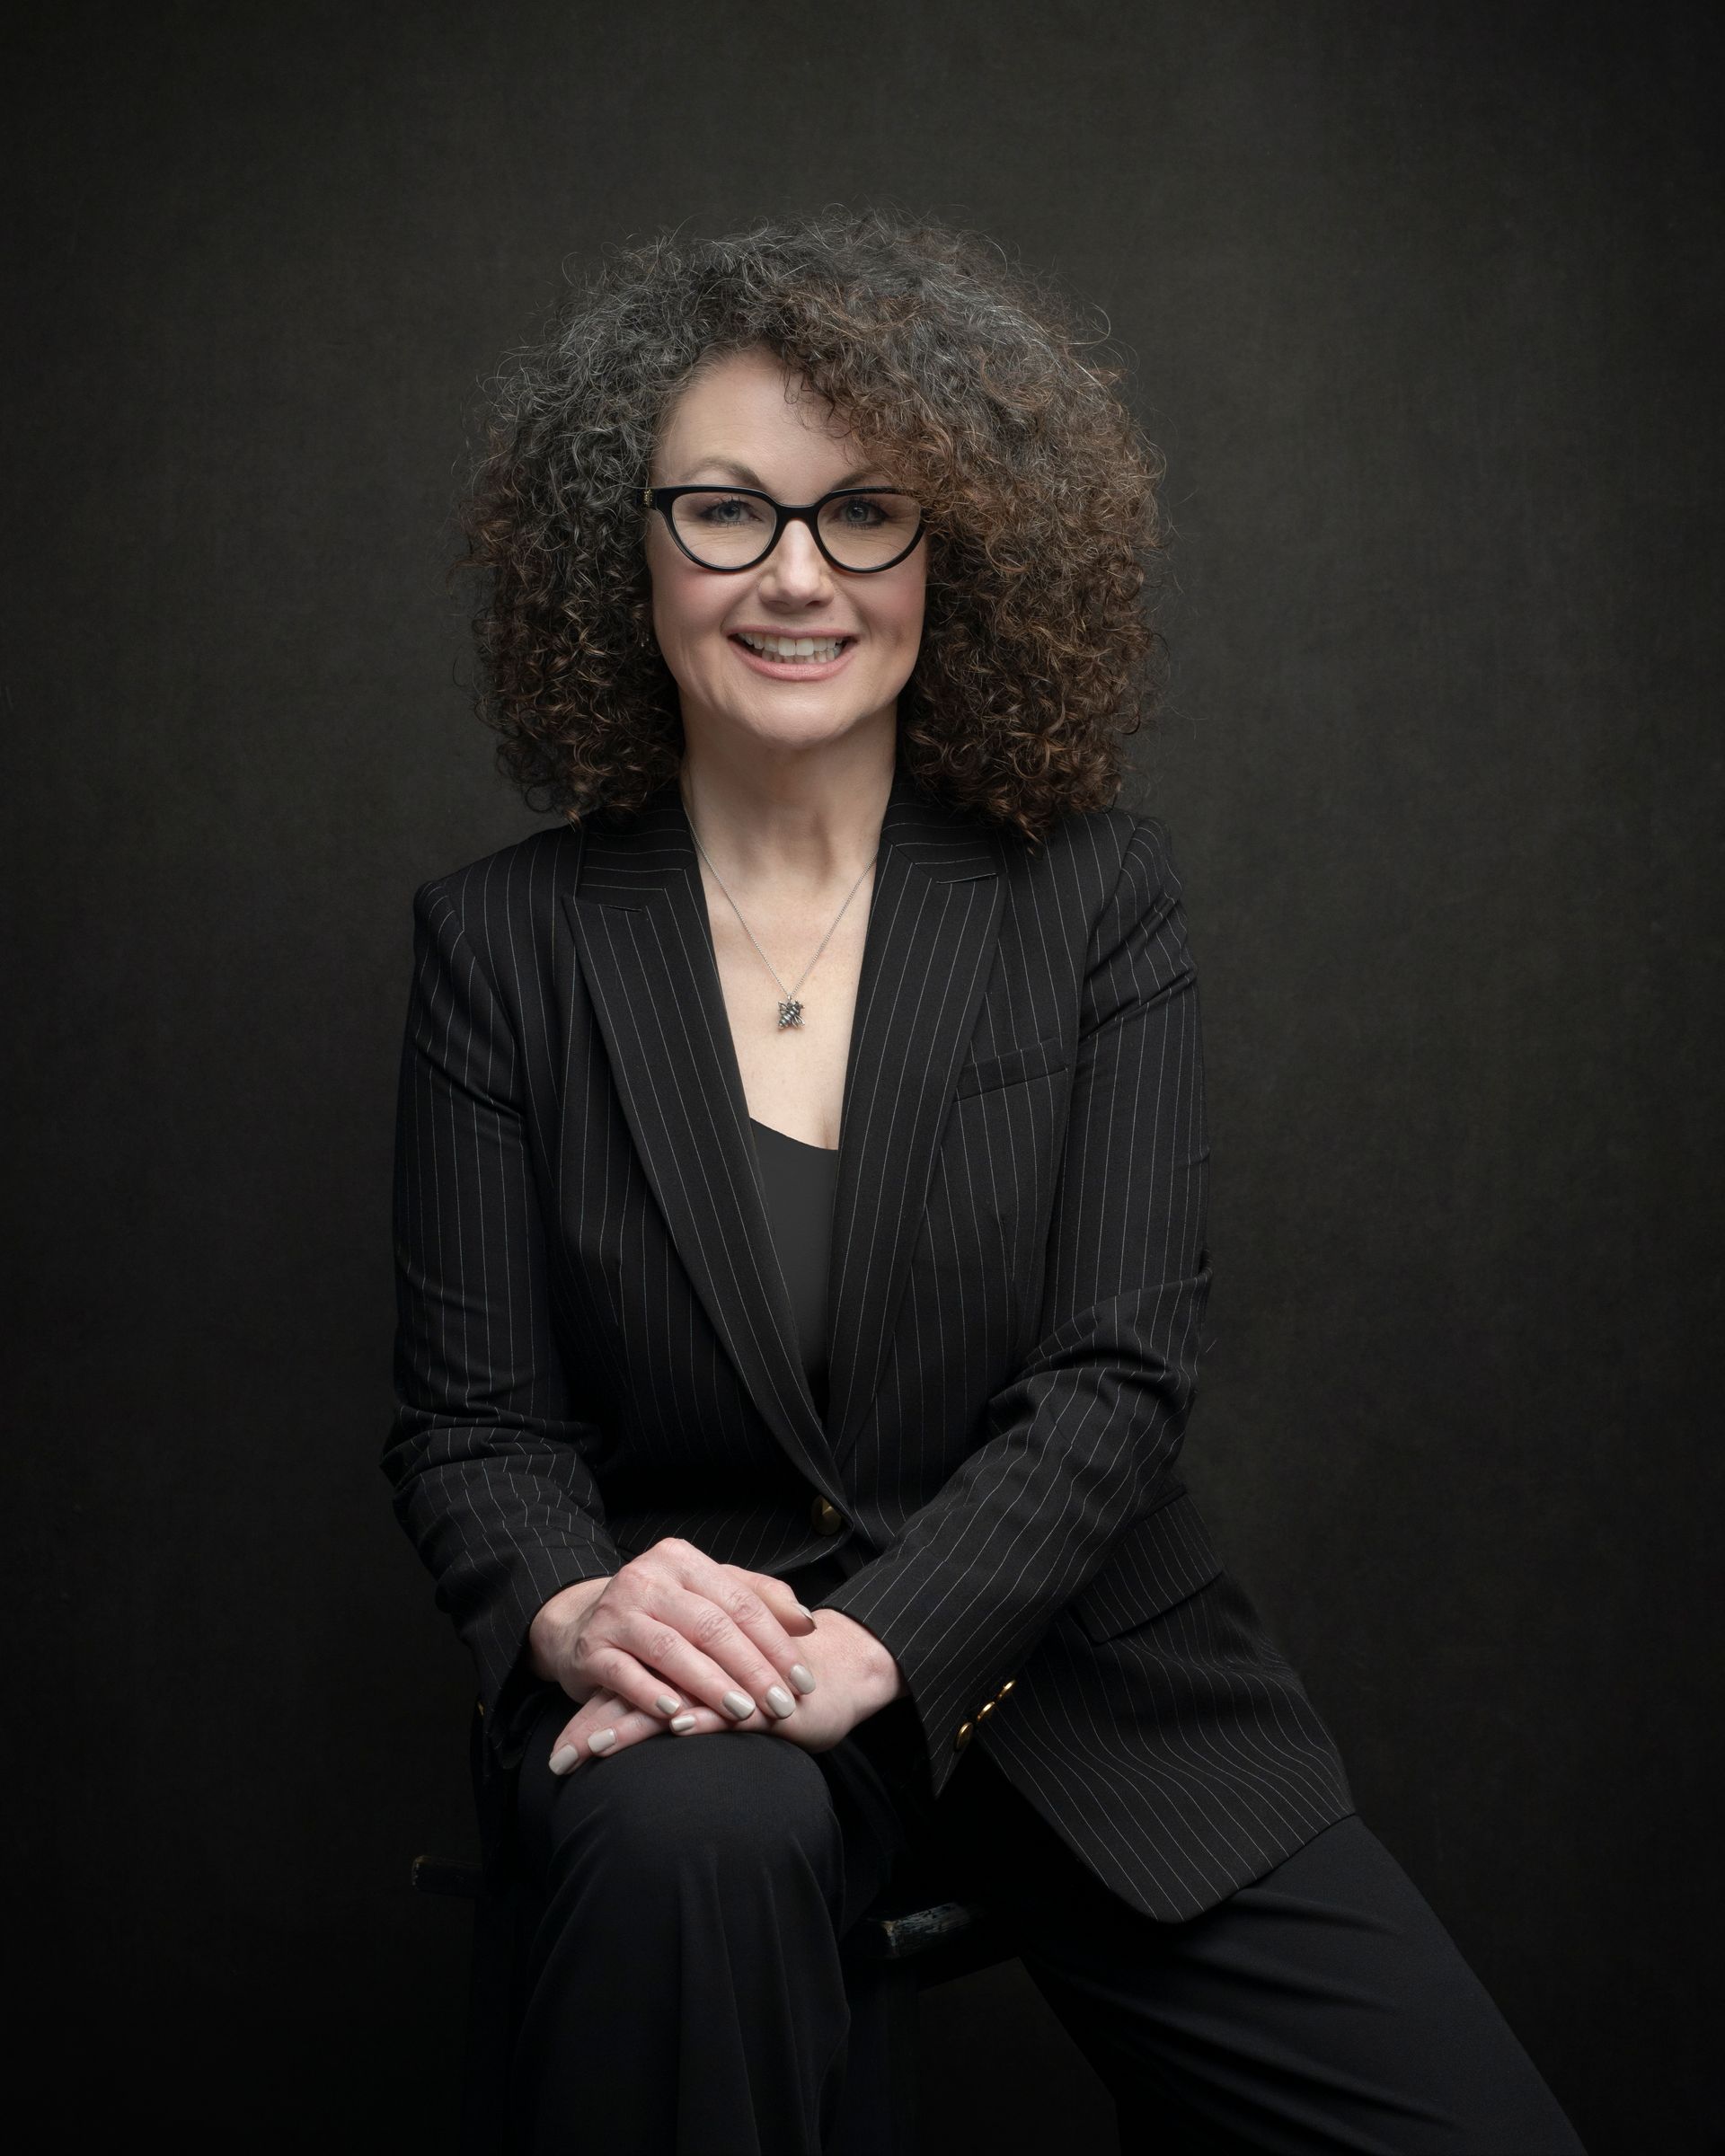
<point x="1422" y="303"/>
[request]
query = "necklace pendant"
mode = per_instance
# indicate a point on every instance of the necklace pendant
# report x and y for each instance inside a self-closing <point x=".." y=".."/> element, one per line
<point x="789" y="1012"/>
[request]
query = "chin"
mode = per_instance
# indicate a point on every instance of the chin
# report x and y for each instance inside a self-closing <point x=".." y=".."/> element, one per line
<point x="801" y="729"/>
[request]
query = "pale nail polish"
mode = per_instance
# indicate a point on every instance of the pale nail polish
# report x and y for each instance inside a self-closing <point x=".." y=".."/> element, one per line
<point x="803" y="1679"/>
<point x="807" y="1612"/>
<point x="682" y="1724"/>
<point x="563" y="1759"/>
<point x="601" y="1740"/>
<point x="738" y="1704"/>
<point x="667" y="1705"/>
<point x="780" y="1701"/>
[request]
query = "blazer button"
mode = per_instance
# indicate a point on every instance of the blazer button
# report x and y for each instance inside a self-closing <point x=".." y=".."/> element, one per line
<point x="966" y="1730"/>
<point x="827" y="1518"/>
<point x="984" y="1710"/>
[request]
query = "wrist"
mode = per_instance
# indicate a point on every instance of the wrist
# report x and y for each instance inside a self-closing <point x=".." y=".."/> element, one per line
<point x="872" y="1666"/>
<point x="549" y="1634"/>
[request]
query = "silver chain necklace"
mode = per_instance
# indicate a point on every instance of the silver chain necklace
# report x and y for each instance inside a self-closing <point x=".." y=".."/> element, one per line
<point x="790" y="1009"/>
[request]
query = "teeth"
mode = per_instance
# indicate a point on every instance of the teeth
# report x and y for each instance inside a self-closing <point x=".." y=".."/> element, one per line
<point x="794" y="646"/>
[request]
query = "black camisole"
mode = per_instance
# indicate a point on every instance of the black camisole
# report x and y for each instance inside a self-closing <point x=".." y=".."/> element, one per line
<point x="885" y="1752"/>
<point x="799" y="1181"/>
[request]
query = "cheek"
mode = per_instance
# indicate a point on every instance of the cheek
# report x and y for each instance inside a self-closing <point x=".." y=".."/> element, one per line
<point x="683" y="615"/>
<point x="902" y="618"/>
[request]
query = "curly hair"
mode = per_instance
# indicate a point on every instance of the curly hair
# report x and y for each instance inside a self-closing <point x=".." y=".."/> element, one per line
<point x="984" y="387"/>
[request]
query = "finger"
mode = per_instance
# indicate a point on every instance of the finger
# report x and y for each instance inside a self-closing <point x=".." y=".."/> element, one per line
<point x="740" y="1595"/>
<point x="765" y="1607"/>
<point x="619" y="1673"/>
<point x="700" y="1648"/>
<point x="761" y="1607"/>
<point x="606" y="1724"/>
<point x="795" y="1619"/>
<point x="603" y="1712"/>
<point x="707" y="1626"/>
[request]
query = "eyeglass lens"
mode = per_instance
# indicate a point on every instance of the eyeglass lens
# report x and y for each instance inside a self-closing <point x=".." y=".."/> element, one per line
<point x="727" y="530"/>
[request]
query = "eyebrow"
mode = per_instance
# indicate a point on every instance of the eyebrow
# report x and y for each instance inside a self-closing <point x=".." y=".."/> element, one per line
<point x="745" y="477"/>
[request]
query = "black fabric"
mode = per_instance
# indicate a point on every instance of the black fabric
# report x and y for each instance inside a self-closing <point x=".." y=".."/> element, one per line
<point x="800" y="1181"/>
<point x="596" y="1348"/>
<point x="686" y="1991"/>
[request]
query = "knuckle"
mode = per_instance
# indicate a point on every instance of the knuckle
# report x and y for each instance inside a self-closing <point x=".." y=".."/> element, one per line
<point x="660" y="1642"/>
<point x="713" y="1624"/>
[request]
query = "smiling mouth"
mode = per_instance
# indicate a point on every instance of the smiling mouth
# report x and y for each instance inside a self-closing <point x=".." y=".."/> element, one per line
<point x="795" y="650"/>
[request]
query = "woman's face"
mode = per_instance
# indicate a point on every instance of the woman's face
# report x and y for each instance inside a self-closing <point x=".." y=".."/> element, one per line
<point x="741" y="421"/>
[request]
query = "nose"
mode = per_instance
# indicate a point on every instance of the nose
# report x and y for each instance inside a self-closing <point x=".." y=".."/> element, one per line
<point x="796" y="568"/>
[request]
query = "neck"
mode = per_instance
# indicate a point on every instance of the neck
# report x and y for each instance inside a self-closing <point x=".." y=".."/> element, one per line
<point x="801" y="819"/>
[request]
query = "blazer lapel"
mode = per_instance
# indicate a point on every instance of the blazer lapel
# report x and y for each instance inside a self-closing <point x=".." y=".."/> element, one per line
<point x="934" y="925"/>
<point x="639" y="918"/>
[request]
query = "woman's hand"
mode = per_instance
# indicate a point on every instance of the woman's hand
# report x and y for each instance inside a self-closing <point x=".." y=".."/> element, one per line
<point x="675" y="1633"/>
<point x="858" y="1676"/>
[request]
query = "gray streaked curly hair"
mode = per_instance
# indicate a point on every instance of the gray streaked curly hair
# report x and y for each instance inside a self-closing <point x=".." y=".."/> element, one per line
<point x="981" y="385"/>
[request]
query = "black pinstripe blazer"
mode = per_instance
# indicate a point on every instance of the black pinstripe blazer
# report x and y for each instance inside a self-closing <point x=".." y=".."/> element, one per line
<point x="596" y="1347"/>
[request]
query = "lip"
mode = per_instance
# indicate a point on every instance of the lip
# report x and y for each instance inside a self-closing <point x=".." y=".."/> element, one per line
<point x="791" y="669"/>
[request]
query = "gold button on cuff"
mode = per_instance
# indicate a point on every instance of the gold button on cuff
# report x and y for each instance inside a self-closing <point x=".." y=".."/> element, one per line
<point x="984" y="1710"/>
<point x="827" y="1518"/>
<point x="1007" y="1686"/>
<point x="966" y="1730"/>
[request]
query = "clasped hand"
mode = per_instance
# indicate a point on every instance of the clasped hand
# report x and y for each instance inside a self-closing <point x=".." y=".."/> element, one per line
<point x="678" y="1642"/>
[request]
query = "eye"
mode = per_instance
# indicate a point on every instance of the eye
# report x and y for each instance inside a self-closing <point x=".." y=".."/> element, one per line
<point x="721" y="512"/>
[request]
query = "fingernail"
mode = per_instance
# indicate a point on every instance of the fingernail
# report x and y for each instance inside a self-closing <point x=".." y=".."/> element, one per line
<point x="740" y="1705"/>
<point x="803" y="1679"/>
<point x="667" y="1705"/>
<point x="601" y="1740"/>
<point x="780" y="1701"/>
<point x="807" y="1612"/>
<point x="682" y="1724"/>
<point x="563" y="1759"/>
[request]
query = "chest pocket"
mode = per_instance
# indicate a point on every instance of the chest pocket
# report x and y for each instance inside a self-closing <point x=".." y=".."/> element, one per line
<point x="1156" y="1562"/>
<point x="1038" y="1059"/>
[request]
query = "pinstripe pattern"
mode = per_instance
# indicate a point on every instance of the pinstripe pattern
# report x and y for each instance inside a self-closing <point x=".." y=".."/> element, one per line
<point x="596" y="1347"/>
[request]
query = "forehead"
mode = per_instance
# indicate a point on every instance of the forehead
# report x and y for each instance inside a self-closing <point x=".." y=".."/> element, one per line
<point x="747" y="407"/>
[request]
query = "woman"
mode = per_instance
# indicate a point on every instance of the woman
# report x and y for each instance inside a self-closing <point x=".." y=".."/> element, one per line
<point x="801" y="1246"/>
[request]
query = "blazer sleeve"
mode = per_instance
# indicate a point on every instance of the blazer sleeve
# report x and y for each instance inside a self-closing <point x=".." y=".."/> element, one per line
<point x="1083" y="1441"/>
<point x="484" y="1455"/>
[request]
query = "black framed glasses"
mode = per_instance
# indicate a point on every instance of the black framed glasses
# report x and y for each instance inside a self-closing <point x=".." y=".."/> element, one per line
<point x="858" y="529"/>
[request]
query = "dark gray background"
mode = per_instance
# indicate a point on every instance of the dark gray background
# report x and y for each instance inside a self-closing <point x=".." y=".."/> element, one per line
<point x="1422" y="303"/>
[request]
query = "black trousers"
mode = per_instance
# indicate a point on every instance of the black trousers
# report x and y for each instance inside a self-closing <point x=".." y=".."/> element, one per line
<point x="685" y="1992"/>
